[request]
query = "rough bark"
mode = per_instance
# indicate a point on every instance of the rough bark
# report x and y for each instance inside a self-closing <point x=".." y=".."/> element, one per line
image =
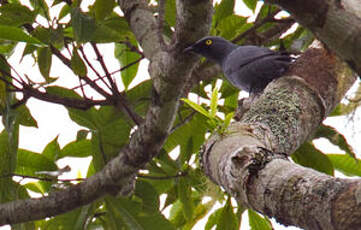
<point x="169" y="71"/>
<point x="249" y="160"/>
<point x="337" y="23"/>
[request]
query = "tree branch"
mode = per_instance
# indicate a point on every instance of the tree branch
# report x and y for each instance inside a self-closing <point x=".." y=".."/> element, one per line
<point x="82" y="104"/>
<point x="258" y="23"/>
<point x="90" y="82"/>
<point x="336" y="23"/>
<point x="92" y="68"/>
<point x="118" y="97"/>
<point x="245" y="160"/>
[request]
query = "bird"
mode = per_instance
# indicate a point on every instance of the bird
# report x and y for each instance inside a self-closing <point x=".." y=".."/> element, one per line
<point x="249" y="68"/>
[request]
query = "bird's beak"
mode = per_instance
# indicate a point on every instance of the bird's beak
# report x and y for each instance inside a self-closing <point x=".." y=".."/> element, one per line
<point x="188" y="49"/>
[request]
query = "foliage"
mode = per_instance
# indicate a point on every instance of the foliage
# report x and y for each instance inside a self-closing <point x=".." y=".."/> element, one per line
<point x="70" y="36"/>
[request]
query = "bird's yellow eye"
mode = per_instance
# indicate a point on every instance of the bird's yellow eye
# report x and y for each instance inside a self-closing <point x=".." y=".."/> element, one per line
<point x="209" y="42"/>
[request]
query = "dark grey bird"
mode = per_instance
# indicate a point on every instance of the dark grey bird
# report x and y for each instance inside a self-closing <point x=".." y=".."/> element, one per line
<point x="249" y="68"/>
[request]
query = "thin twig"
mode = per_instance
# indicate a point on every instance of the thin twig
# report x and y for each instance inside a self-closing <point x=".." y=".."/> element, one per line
<point x="92" y="67"/>
<point x="183" y="122"/>
<point x="114" y="72"/>
<point x="132" y="48"/>
<point x="127" y="66"/>
<point x="258" y="23"/>
<point x="179" y="174"/>
<point x="119" y="98"/>
<point x="6" y="80"/>
<point x="42" y="178"/>
<point x="100" y="59"/>
<point x="67" y="62"/>
<point x="82" y="88"/>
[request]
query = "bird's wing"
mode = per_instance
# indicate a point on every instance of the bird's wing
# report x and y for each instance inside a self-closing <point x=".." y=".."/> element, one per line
<point x="244" y="55"/>
<point x="252" y="67"/>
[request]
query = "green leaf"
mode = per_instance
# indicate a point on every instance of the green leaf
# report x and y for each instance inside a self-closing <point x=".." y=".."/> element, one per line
<point x="52" y="150"/>
<point x="230" y="26"/>
<point x="100" y="155"/>
<point x="128" y="213"/>
<point x="125" y="56"/>
<point x="227" y="119"/>
<point x="213" y="219"/>
<point x="197" y="107"/>
<point x="65" y="10"/>
<point x="139" y="96"/>
<point x="8" y="152"/>
<point x="7" y="47"/>
<point x="186" y="151"/>
<point x="83" y="25"/>
<point x="199" y="213"/>
<point x="42" y="34"/>
<point x="103" y="8"/>
<point x="83" y="118"/>
<point x="251" y="4"/>
<point x="227" y="220"/>
<point x="16" y="15"/>
<point x="44" y="62"/>
<point x="82" y="148"/>
<point x="222" y="10"/>
<point x="170" y="12"/>
<point x="186" y="137"/>
<point x="24" y="117"/>
<point x="4" y="94"/>
<point x="105" y="34"/>
<point x="307" y="155"/>
<point x="176" y="215"/>
<point x="49" y="36"/>
<point x="115" y="132"/>
<point x="41" y="7"/>
<point x="214" y="102"/>
<point x="162" y="186"/>
<point x="124" y="211"/>
<point x="112" y="29"/>
<point x="155" y="221"/>
<point x="74" y="219"/>
<point x="223" y="218"/>
<point x="335" y="138"/>
<point x="29" y="162"/>
<point x="257" y="222"/>
<point x="77" y="64"/>
<point x="146" y="192"/>
<point x="9" y="138"/>
<point x="29" y="49"/>
<point x="345" y="164"/>
<point x="35" y="187"/>
<point x="13" y="33"/>
<point x="266" y="9"/>
<point x="184" y="195"/>
<point x="62" y="92"/>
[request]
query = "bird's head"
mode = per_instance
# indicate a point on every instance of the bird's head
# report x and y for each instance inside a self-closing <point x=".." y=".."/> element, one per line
<point x="212" y="47"/>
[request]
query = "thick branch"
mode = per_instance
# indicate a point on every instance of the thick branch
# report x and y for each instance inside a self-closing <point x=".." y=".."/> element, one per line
<point x="69" y="102"/>
<point x="247" y="161"/>
<point x="143" y="24"/>
<point x="336" y="23"/>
